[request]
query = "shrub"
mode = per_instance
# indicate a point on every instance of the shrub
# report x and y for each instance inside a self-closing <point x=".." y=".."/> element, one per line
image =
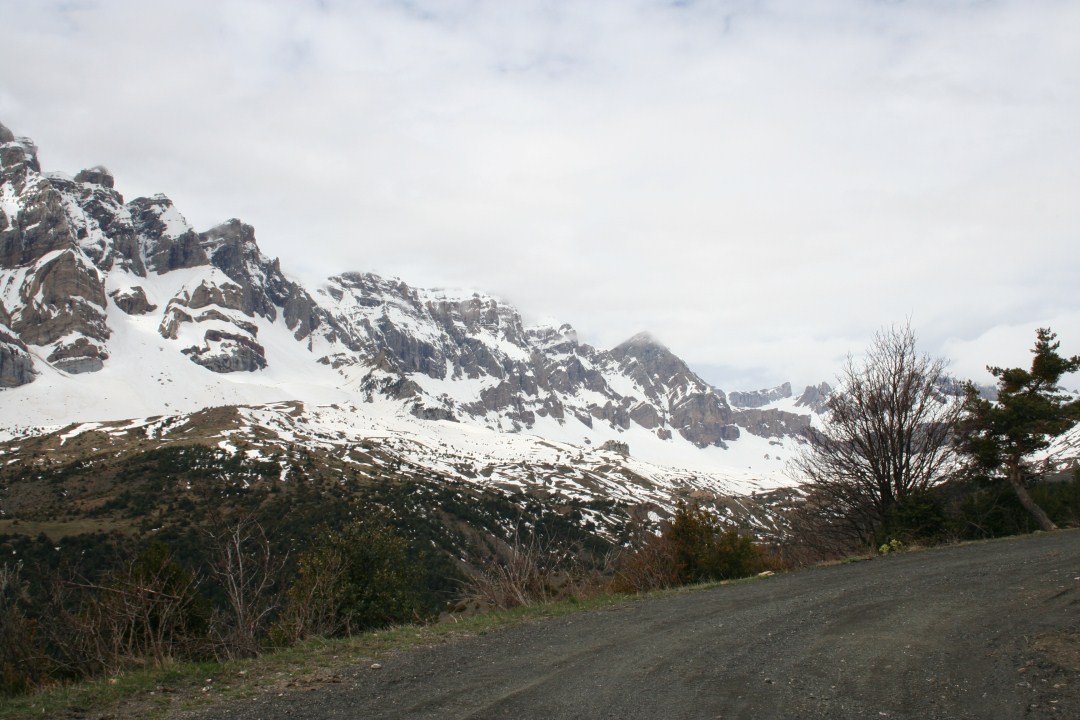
<point x="648" y="563"/>
<point x="693" y="547"/>
<point x="893" y="546"/>
<point x="22" y="663"/>
<point x="529" y="572"/>
<point x="919" y="518"/>
<point x="351" y="580"/>
<point x="151" y="609"/>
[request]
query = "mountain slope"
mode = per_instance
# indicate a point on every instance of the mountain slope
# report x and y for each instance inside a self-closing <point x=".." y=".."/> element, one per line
<point x="112" y="310"/>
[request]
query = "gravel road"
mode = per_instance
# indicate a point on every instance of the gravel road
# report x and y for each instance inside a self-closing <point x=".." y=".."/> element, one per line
<point x="980" y="631"/>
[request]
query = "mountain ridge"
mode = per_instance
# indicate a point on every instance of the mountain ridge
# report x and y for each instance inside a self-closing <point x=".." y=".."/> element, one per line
<point x="121" y="309"/>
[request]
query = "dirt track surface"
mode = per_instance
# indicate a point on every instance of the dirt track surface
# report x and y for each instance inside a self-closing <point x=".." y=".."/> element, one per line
<point x="980" y="631"/>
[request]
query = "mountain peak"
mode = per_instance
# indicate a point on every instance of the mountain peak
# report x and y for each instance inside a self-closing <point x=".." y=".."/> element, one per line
<point x="642" y="339"/>
<point x="17" y="153"/>
<point x="97" y="175"/>
<point x="216" y="301"/>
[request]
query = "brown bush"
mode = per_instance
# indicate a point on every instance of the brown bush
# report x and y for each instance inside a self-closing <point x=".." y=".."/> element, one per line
<point x="693" y="547"/>
<point x="23" y="664"/>
<point x="149" y="612"/>
<point x="529" y="572"/>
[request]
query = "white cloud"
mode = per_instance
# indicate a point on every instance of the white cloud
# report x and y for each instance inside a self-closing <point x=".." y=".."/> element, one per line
<point x="760" y="184"/>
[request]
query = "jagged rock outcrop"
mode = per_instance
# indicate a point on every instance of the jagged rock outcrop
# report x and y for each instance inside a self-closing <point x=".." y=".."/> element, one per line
<point x="225" y="352"/>
<point x="16" y="365"/>
<point x="265" y="291"/>
<point x="96" y="176"/>
<point x="77" y="356"/>
<point x="165" y="239"/>
<point x="54" y="295"/>
<point x="758" y="398"/>
<point x="693" y="408"/>
<point x="60" y="296"/>
<point x="617" y="446"/>
<point x="132" y="300"/>
<point x="814" y="397"/>
<point x="70" y="246"/>
<point x="772" y="423"/>
<point x="61" y="237"/>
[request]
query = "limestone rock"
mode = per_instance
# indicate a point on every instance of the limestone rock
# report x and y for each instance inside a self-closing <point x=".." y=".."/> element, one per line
<point x="173" y="318"/>
<point x="231" y="247"/>
<point x="814" y="397"/>
<point x="132" y="300"/>
<point x="704" y="420"/>
<point x="164" y="237"/>
<point x="427" y="412"/>
<point x="772" y="423"/>
<point x="96" y="176"/>
<point x="225" y="352"/>
<point x="616" y="446"/>
<point x="78" y="356"/>
<point x="226" y="295"/>
<point x="62" y="297"/>
<point x="757" y="398"/>
<point x="16" y="363"/>
<point x="646" y="416"/>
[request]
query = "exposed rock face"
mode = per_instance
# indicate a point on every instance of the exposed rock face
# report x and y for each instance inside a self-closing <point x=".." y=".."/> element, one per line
<point x="695" y="409"/>
<point x="216" y="298"/>
<point x="61" y="297"/>
<point x="96" y="176"/>
<point x="16" y="365"/>
<point x="425" y="412"/>
<point x="757" y="398"/>
<point x="132" y="300"/>
<point x="772" y="423"/>
<point x="814" y="397"/>
<point x="173" y="318"/>
<point x="264" y="289"/>
<point x="616" y="446"/>
<point x="46" y="261"/>
<point x="523" y="375"/>
<point x="77" y="356"/>
<point x="39" y="226"/>
<point x="227" y="352"/>
<point x="166" y="241"/>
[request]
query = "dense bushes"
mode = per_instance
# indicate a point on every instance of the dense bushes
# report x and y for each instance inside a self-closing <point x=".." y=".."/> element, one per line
<point x="202" y="566"/>
<point x="693" y="547"/>
<point x="984" y="507"/>
<point x="351" y="580"/>
<point x="153" y="609"/>
<point x="966" y="507"/>
<point x="21" y="665"/>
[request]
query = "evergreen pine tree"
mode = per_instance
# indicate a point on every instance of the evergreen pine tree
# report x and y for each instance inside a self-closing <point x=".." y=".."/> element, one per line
<point x="1030" y="411"/>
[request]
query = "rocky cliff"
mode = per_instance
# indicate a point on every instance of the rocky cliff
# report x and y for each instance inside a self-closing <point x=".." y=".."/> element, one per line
<point x="85" y="274"/>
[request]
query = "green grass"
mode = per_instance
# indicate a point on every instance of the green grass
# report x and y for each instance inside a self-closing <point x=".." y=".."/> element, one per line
<point x="159" y="692"/>
<point x="163" y="692"/>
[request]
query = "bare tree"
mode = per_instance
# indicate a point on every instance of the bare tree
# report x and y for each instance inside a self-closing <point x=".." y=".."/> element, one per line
<point x="248" y="571"/>
<point x="885" y="436"/>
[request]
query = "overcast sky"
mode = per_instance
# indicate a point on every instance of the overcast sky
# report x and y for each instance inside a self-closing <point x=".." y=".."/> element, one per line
<point x="759" y="184"/>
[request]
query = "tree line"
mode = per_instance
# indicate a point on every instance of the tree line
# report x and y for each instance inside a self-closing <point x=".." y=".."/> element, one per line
<point x="903" y="450"/>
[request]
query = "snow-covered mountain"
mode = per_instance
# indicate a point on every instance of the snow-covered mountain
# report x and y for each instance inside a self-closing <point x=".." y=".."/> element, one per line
<point x="112" y="310"/>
